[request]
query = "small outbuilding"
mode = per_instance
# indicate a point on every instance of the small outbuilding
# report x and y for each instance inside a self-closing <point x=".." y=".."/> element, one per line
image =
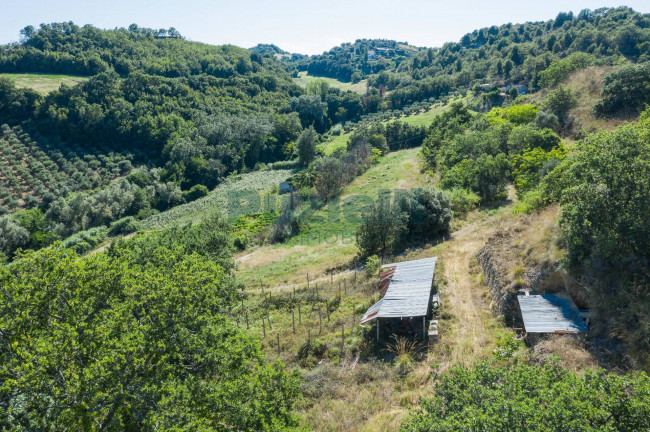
<point x="547" y="313"/>
<point x="406" y="300"/>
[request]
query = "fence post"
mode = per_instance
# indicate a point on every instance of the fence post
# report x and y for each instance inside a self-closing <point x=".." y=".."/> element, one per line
<point x="263" y="327"/>
<point x="320" y="322"/>
<point x="307" y="281"/>
<point x="345" y="287"/>
<point x="246" y="319"/>
<point x="342" y="338"/>
<point x="268" y="317"/>
<point x="339" y="289"/>
<point x="299" y="315"/>
<point x="278" y="334"/>
<point x="327" y="310"/>
<point x="293" y="319"/>
<point x="262" y="286"/>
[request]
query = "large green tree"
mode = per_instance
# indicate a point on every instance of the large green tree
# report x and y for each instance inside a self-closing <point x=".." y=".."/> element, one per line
<point x="103" y="343"/>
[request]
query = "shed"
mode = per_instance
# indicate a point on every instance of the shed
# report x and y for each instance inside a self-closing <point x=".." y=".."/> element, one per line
<point x="547" y="313"/>
<point x="406" y="289"/>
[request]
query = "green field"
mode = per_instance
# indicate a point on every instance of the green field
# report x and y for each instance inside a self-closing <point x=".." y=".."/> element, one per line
<point x="359" y="88"/>
<point x="326" y="240"/>
<point x="423" y="118"/>
<point x="43" y="83"/>
<point x="262" y="184"/>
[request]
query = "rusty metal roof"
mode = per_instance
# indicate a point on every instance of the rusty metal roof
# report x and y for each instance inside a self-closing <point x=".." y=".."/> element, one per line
<point x="548" y="313"/>
<point x="408" y="292"/>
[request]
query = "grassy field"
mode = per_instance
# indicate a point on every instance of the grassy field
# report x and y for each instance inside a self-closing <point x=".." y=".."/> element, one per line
<point x="261" y="185"/>
<point x="43" y="83"/>
<point x="359" y="88"/>
<point x="327" y="238"/>
<point x="423" y="118"/>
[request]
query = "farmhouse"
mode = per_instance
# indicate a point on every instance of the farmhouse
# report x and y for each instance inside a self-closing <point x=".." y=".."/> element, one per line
<point x="407" y="299"/>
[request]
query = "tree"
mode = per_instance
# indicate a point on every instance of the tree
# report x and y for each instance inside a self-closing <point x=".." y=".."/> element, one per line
<point x="329" y="176"/>
<point x="12" y="235"/>
<point x="306" y="146"/>
<point x="559" y="102"/>
<point x="106" y="344"/>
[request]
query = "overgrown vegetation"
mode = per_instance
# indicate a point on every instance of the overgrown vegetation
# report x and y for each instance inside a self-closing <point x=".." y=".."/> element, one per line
<point x="489" y="397"/>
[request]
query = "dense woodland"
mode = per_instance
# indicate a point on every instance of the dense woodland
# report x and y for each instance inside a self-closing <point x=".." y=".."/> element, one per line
<point x="138" y="337"/>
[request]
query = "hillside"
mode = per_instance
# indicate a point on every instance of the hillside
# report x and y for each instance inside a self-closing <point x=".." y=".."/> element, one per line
<point x="192" y="236"/>
<point x="353" y="61"/>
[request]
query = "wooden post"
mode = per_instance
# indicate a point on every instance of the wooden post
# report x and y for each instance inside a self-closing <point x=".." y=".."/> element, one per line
<point x="342" y="338"/>
<point x="278" y="334"/>
<point x="262" y="286"/>
<point x="246" y="319"/>
<point x="339" y="289"/>
<point x="263" y="327"/>
<point x="316" y="292"/>
<point x="293" y="319"/>
<point x="320" y="322"/>
<point x="377" y="329"/>
<point x="332" y="279"/>
<point x="308" y="336"/>
<point x="307" y="281"/>
<point x="294" y="293"/>
<point x="268" y="317"/>
<point x="424" y="328"/>
<point x="327" y="311"/>
<point x="345" y="287"/>
<point x="242" y="302"/>
<point x="299" y="315"/>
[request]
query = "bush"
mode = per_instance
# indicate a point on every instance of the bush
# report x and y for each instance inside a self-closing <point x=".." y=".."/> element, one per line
<point x="85" y="241"/>
<point x="373" y="264"/>
<point x="124" y="226"/>
<point x="625" y="91"/>
<point x="196" y="192"/>
<point x="490" y="398"/>
<point x="463" y="200"/>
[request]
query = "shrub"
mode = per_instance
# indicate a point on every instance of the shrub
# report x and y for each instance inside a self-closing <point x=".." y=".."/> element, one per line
<point x="463" y="200"/>
<point x="196" y="192"/>
<point x="533" y="398"/>
<point x="373" y="264"/>
<point x="625" y="91"/>
<point x="124" y="226"/>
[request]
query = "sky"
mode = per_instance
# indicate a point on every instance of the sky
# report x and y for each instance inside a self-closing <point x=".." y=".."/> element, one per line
<point x="307" y="27"/>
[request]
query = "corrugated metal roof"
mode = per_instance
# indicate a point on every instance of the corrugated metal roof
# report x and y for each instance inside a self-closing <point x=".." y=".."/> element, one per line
<point x="548" y="313"/>
<point x="408" y="293"/>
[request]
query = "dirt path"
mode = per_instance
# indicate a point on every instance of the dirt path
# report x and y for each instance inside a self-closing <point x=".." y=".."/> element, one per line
<point x="472" y="329"/>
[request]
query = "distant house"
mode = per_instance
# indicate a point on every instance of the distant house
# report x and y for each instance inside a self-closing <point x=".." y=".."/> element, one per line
<point x="407" y="299"/>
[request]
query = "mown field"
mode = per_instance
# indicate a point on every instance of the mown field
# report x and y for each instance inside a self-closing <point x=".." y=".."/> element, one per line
<point x="42" y="83"/>
<point x="304" y="79"/>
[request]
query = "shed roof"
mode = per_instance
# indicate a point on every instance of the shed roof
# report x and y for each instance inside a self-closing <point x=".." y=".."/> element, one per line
<point x="408" y="293"/>
<point x="548" y="313"/>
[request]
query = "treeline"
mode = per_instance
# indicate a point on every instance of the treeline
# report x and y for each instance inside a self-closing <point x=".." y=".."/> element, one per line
<point x="69" y="49"/>
<point x="135" y="339"/>
<point x="354" y="61"/>
<point x="520" y="53"/>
